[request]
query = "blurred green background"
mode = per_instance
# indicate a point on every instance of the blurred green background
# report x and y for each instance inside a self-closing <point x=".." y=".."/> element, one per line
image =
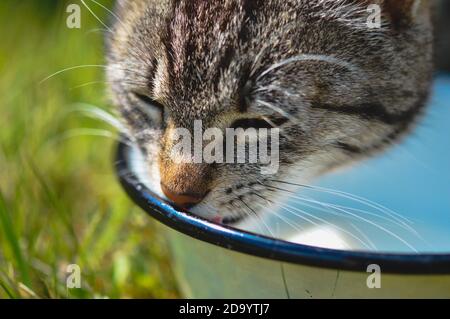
<point x="60" y="202"/>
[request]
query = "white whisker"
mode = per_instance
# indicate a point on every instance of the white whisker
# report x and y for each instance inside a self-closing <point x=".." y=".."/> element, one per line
<point x="292" y="210"/>
<point x="110" y="12"/>
<point x="73" y="68"/>
<point x="95" y="16"/>
<point x="259" y="218"/>
<point x="278" y="110"/>
<point x="98" y="30"/>
<point x="80" y="132"/>
<point x="364" y="236"/>
<point x="311" y="57"/>
<point x="377" y="226"/>
<point x="356" y="198"/>
<point x="362" y="219"/>
<point x="106" y="67"/>
<point x="302" y="200"/>
<point x="87" y="84"/>
<point x="98" y="113"/>
<point x="288" y="221"/>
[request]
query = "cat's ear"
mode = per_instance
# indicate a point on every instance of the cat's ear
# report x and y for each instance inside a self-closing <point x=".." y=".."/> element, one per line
<point x="403" y="12"/>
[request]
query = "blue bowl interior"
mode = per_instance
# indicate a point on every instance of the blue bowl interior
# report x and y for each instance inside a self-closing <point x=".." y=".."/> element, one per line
<point x="408" y="188"/>
<point x="405" y="226"/>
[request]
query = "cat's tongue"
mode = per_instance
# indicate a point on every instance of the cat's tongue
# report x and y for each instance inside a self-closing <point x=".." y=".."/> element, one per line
<point x="217" y="219"/>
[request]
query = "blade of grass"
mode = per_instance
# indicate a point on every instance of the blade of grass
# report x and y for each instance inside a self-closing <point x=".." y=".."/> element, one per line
<point x="8" y="229"/>
<point x="53" y="200"/>
<point x="6" y="290"/>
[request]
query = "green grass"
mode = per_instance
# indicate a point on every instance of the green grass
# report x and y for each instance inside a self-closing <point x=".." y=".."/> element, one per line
<point x="60" y="202"/>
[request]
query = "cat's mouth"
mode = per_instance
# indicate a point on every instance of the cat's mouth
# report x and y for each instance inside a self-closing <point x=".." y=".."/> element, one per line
<point x="230" y="220"/>
<point x="218" y="219"/>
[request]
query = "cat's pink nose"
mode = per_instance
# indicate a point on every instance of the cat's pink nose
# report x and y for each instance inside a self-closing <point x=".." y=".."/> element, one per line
<point x="182" y="200"/>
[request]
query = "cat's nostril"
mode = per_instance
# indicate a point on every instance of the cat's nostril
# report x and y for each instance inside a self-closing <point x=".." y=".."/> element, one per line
<point x="183" y="200"/>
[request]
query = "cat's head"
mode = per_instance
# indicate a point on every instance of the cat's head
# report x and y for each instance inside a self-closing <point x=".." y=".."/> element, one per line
<point x="338" y="85"/>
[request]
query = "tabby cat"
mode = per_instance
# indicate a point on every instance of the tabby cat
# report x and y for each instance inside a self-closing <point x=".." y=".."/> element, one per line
<point x="338" y="90"/>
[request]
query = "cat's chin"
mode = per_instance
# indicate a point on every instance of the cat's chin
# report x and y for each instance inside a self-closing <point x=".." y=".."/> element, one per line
<point x="229" y="221"/>
<point x="205" y="210"/>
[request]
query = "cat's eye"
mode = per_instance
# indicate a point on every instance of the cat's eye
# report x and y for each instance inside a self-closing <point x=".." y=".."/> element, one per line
<point x="152" y="108"/>
<point x="149" y="101"/>
<point x="256" y="123"/>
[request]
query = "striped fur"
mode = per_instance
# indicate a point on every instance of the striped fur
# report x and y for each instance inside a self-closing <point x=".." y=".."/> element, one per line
<point x="341" y="91"/>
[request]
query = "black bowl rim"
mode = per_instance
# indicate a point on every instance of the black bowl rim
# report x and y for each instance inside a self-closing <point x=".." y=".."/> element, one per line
<point x="267" y="247"/>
